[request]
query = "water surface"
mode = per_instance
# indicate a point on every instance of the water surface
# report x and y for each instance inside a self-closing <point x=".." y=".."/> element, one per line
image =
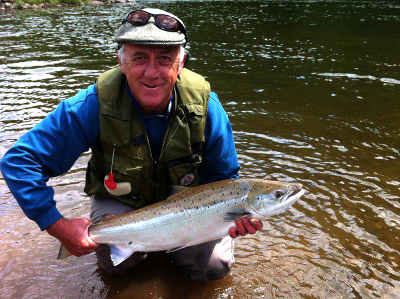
<point x="312" y="90"/>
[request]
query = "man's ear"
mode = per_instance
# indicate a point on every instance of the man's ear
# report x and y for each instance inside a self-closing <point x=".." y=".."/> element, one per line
<point x="121" y="65"/>
<point x="182" y="64"/>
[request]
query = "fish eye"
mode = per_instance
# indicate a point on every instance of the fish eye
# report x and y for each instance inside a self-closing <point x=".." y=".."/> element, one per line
<point x="279" y="193"/>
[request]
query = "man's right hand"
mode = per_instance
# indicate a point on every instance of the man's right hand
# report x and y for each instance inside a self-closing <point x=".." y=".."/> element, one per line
<point x="73" y="234"/>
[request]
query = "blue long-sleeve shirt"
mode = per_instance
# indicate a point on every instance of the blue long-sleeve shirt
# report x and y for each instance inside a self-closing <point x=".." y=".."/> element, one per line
<point x="51" y="148"/>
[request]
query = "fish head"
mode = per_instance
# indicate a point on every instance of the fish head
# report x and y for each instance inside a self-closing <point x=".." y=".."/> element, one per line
<point x="267" y="198"/>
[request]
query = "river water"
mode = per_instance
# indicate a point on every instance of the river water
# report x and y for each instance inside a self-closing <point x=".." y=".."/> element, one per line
<point x="313" y="93"/>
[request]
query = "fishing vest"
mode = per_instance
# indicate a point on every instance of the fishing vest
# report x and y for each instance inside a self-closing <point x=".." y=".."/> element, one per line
<point x="123" y="141"/>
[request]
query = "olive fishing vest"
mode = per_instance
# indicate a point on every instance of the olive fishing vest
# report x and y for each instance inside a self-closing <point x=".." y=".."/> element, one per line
<point x="123" y="141"/>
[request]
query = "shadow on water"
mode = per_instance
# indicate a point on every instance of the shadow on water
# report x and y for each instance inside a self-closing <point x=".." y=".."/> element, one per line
<point x="158" y="278"/>
<point x="312" y="92"/>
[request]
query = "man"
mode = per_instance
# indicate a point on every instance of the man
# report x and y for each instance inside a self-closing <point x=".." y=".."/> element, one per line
<point x="150" y="124"/>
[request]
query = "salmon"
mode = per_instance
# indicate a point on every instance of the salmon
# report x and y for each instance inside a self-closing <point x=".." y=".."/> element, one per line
<point x="193" y="216"/>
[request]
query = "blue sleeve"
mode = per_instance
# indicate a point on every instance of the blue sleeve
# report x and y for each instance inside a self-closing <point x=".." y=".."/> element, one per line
<point x="219" y="158"/>
<point x="50" y="149"/>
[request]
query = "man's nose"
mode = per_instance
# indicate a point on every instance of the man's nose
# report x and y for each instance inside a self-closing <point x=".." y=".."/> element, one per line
<point x="152" y="69"/>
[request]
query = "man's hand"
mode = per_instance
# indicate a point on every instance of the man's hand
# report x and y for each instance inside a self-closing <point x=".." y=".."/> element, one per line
<point x="244" y="226"/>
<point x="73" y="234"/>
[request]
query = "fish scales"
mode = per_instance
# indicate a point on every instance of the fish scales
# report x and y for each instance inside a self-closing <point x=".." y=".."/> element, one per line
<point x="193" y="216"/>
<point x="178" y="212"/>
<point x="192" y="198"/>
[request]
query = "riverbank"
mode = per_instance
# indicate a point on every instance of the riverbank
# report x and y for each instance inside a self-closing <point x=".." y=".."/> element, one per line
<point x="6" y="5"/>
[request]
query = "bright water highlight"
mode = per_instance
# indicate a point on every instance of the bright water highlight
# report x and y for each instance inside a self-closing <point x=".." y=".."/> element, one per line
<point x="312" y="90"/>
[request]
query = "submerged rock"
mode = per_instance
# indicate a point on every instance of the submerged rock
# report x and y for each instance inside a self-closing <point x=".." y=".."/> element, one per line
<point x="7" y="5"/>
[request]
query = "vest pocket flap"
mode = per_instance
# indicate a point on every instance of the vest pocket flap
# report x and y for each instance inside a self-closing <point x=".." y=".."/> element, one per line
<point x="195" y="110"/>
<point x="114" y="131"/>
<point x="183" y="174"/>
<point x="134" y="170"/>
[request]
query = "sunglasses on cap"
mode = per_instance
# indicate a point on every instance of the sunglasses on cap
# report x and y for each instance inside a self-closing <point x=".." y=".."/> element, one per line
<point x="164" y="22"/>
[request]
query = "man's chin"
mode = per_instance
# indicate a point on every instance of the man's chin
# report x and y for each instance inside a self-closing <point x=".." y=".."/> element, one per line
<point x="154" y="106"/>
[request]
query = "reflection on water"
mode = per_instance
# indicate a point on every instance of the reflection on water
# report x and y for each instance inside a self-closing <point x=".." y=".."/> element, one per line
<point x="312" y="91"/>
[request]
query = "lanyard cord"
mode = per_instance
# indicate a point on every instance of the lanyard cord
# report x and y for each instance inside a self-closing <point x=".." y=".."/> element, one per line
<point x="112" y="158"/>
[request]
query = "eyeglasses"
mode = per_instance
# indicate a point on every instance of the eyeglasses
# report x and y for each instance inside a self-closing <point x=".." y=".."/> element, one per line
<point x="164" y="22"/>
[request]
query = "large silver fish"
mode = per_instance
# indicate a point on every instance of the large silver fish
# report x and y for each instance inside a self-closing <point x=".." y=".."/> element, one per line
<point x="193" y="216"/>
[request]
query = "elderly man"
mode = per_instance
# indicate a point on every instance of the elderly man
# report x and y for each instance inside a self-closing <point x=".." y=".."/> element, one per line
<point x="150" y="124"/>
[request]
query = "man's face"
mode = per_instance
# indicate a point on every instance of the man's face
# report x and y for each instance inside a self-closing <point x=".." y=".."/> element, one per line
<point x="151" y="72"/>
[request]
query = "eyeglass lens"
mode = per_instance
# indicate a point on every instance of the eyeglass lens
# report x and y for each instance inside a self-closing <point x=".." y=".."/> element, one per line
<point x="138" y="17"/>
<point x="141" y="17"/>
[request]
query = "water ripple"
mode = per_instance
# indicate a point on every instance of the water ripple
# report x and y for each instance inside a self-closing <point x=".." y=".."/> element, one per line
<point x="355" y="76"/>
<point x="312" y="98"/>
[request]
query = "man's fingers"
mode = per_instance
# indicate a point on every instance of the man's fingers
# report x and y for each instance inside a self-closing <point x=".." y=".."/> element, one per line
<point x="74" y="251"/>
<point x="233" y="232"/>
<point x="82" y="250"/>
<point x="257" y="224"/>
<point x="248" y="226"/>
<point x="240" y="228"/>
<point x="92" y="243"/>
<point x="245" y="226"/>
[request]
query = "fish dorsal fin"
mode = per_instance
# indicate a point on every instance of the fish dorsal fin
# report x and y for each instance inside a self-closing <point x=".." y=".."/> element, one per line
<point x="236" y="214"/>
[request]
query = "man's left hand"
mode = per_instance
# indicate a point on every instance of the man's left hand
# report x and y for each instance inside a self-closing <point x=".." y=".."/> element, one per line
<point x="244" y="226"/>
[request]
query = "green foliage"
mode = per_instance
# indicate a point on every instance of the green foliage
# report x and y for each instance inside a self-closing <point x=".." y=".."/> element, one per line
<point x="73" y="1"/>
<point x="20" y="3"/>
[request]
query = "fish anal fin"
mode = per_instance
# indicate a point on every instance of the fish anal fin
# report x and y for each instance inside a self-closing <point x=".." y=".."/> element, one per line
<point x="120" y="253"/>
<point x="236" y="214"/>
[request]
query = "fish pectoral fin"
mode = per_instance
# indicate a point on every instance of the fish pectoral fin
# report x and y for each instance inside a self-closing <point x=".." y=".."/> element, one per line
<point x="176" y="249"/>
<point x="120" y="253"/>
<point x="236" y="214"/>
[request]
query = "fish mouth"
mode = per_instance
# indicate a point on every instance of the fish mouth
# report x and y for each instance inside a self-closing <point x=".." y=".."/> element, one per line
<point x="294" y="195"/>
<point x="291" y="198"/>
<point x="298" y="187"/>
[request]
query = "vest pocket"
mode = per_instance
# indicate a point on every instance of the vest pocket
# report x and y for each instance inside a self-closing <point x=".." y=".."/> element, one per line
<point x="183" y="174"/>
<point x="114" y="131"/>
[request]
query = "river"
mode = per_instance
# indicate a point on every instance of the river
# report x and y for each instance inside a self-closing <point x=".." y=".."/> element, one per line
<point x="312" y="89"/>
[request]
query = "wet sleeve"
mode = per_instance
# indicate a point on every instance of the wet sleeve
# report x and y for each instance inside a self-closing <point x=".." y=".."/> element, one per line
<point x="47" y="150"/>
<point x="219" y="158"/>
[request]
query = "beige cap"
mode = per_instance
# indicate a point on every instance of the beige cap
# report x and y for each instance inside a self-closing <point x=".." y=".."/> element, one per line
<point x="150" y="34"/>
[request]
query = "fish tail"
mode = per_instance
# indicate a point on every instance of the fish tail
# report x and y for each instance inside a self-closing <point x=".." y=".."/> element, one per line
<point x="63" y="253"/>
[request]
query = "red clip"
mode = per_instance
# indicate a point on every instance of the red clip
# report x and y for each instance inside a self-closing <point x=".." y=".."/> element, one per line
<point x="110" y="182"/>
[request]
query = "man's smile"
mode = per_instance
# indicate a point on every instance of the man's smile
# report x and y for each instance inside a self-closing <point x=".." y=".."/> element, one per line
<point x="152" y="86"/>
<point x="149" y="85"/>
